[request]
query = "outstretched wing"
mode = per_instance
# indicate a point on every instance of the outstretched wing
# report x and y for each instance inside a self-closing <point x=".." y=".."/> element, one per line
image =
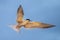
<point x="20" y="14"/>
<point x="38" y="25"/>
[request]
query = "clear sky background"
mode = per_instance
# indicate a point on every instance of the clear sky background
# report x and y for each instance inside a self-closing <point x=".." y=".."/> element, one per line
<point x="47" y="11"/>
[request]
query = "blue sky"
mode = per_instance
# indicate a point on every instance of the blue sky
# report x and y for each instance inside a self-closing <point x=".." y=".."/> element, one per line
<point x="47" y="11"/>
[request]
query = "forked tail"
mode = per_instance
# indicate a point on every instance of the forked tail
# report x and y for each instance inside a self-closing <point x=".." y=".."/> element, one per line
<point x="14" y="27"/>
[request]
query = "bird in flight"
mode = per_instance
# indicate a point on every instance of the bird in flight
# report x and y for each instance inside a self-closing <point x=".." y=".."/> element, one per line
<point x="27" y="23"/>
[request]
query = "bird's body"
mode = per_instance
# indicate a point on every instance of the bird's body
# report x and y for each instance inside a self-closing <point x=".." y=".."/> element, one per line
<point x="27" y="23"/>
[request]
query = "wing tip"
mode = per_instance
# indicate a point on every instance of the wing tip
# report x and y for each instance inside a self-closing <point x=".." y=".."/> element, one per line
<point x="20" y="6"/>
<point x="53" y="25"/>
<point x="49" y="26"/>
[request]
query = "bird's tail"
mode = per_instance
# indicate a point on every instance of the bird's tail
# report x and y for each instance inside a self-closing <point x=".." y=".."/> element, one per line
<point x="14" y="27"/>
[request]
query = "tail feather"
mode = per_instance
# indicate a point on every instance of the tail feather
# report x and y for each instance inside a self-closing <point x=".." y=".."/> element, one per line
<point x="14" y="27"/>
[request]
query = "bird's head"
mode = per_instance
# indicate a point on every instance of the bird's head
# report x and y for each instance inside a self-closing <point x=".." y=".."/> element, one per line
<point x="28" y="19"/>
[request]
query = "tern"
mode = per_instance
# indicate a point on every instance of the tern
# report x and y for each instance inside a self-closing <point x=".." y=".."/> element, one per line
<point x="27" y="23"/>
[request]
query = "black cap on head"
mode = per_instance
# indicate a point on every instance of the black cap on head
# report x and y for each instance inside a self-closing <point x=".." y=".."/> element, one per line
<point x="28" y="19"/>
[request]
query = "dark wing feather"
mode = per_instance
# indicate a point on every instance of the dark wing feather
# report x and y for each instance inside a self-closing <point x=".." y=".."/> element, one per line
<point x="20" y="14"/>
